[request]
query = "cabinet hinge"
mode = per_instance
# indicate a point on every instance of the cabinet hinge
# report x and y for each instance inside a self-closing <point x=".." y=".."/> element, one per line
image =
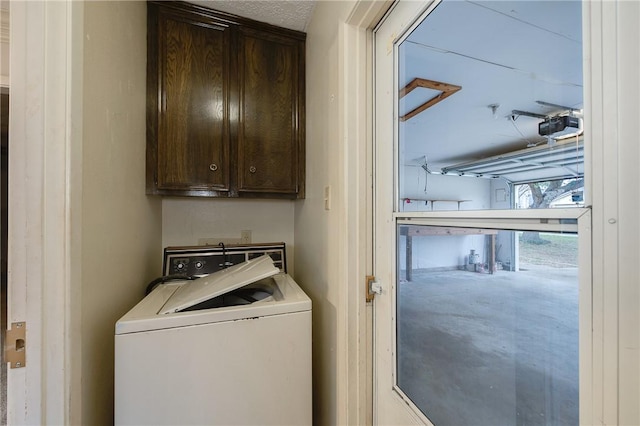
<point x="15" y="345"/>
<point x="373" y="287"/>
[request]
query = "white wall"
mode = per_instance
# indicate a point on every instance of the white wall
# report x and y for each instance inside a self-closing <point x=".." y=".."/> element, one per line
<point x="318" y="231"/>
<point x="444" y="187"/>
<point x="442" y="251"/>
<point x="121" y="226"/>
<point x="186" y="220"/>
<point x="312" y="222"/>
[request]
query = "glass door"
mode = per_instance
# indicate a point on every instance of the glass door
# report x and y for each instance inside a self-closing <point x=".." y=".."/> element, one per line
<point x="482" y="241"/>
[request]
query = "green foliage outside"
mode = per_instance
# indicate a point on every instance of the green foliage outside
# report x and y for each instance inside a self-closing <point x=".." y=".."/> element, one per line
<point x="561" y="251"/>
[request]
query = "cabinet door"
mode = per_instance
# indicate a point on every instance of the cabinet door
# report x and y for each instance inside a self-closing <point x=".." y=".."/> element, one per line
<point x="190" y="146"/>
<point x="270" y="131"/>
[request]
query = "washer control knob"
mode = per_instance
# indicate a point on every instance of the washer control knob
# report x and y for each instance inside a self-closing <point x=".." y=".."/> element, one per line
<point x="199" y="265"/>
<point x="180" y="266"/>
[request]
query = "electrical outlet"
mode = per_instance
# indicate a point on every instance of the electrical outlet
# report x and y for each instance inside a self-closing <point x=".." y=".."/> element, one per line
<point x="245" y="236"/>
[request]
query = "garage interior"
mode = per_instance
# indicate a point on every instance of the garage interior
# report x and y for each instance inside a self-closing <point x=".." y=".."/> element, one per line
<point x="482" y="348"/>
<point x="490" y="118"/>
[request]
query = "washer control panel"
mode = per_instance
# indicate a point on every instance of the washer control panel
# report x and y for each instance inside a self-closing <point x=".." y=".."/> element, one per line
<point x="203" y="260"/>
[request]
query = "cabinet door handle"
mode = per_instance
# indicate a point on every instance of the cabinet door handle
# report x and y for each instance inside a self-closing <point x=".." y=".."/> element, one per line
<point x="213" y="167"/>
<point x="252" y="169"/>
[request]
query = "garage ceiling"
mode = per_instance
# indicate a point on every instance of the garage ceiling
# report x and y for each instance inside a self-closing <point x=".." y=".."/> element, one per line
<point x="506" y="55"/>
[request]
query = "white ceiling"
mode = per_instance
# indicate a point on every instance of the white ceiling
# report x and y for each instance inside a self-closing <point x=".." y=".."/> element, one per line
<point x="292" y="14"/>
<point x="511" y="53"/>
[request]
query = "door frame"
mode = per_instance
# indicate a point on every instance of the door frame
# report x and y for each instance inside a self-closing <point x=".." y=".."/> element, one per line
<point x="45" y="186"/>
<point x="354" y="364"/>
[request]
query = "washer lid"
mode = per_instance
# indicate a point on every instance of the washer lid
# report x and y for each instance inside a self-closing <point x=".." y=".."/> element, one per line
<point x="218" y="283"/>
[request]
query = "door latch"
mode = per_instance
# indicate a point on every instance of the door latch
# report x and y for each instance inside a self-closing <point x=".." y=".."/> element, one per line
<point x="15" y="345"/>
<point x="373" y="288"/>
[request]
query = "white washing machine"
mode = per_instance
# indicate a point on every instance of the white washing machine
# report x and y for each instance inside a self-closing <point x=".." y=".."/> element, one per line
<point x="229" y="348"/>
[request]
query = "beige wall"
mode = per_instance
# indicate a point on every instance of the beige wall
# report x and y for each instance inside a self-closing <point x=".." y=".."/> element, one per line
<point x="121" y="226"/>
<point x="320" y="252"/>
<point x="4" y="43"/>
<point x="186" y="220"/>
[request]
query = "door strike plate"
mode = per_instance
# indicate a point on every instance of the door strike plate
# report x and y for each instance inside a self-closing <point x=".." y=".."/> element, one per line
<point x="15" y="345"/>
<point x="373" y="288"/>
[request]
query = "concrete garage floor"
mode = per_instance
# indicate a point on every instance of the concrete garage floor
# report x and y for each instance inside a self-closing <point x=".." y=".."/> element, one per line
<point x="480" y="349"/>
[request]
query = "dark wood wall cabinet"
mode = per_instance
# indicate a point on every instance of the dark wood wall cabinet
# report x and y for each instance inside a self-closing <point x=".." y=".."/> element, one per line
<point x="225" y="105"/>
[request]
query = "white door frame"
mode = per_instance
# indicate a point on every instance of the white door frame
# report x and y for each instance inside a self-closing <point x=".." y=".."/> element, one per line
<point x="44" y="216"/>
<point x="354" y="366"/>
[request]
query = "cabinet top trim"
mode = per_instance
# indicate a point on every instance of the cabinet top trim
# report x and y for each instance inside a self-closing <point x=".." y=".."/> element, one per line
<point x="227" y="17"/>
